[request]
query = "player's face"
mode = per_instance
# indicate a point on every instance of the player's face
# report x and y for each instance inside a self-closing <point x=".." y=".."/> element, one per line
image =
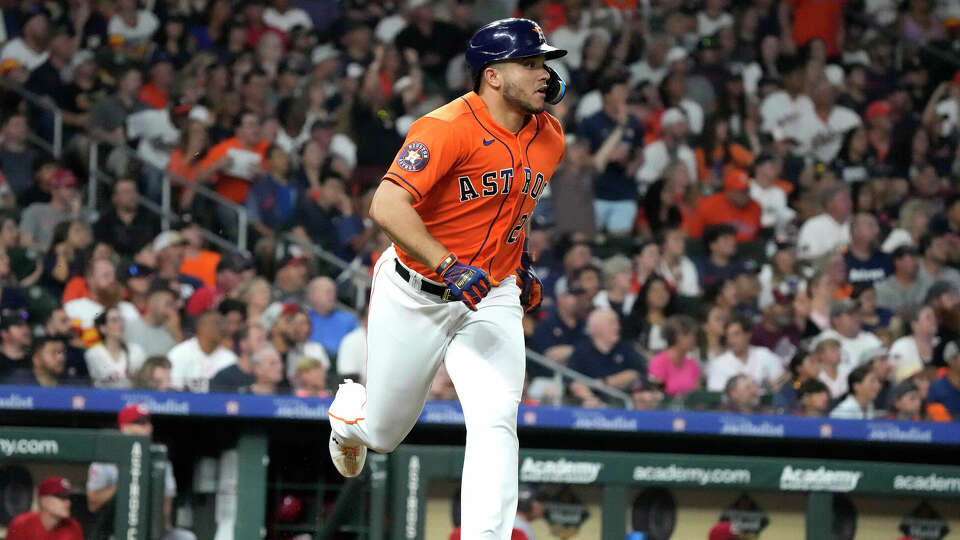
<point x="525" y="84"/>
<point x="56" y="505"/>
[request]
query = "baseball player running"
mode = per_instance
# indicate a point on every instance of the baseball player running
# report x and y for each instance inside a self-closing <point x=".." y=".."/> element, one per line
<point x="454" y="285"/>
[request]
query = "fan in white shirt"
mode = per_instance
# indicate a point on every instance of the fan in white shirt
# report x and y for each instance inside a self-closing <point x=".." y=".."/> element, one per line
<point x="911" y="353"/>
<point x="198" y="359"/>
<point x="830" y="230"/>
<point x="760" y="363"/>
<point x="284" y="18"/>
<point x="675" y="266"/>
<point x="788" y="110"/>
<point x="659" y="154"/>
<point x="133" y="28"/>
<point x="112" y="363"/>
<point x="846" y="328"/>
<point x="832" y="374"/>
<point x="29" y="50"/>
<point x="771" y="197"/>
<point x="823" y="132"/>
<point x="652" y="67"/>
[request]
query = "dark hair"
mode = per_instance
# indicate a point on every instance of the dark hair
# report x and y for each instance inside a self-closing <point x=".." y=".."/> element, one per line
<point x="101" y="321"/>
<point x="611" y="79"/>
<point x="797" y="360"/>
<point x="676" y="326"/>
<point x="858" y="375"/>
<point x="714" y="232"/>
<point x="744" y="323"/>
<point x="230" y="305"/>
<point x="811" y="386"/>
<point x="142" y="378"/>
<point x="579" y="272"/>
<point x="42" y="342"/>
<point x="238" y="121"/>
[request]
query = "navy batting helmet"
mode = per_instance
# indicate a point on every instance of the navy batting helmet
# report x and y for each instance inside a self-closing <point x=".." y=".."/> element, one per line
<point x="513" y="38"/>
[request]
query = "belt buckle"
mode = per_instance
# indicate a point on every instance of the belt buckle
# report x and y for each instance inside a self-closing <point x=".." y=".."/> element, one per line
<point x="446" y="294"/>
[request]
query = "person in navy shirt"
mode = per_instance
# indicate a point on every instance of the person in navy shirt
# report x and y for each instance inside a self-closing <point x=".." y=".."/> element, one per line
<point x="328" y="324"/>
<point x="615" y="138"/>
<point x="720" y="263"/>
<point x="865" y="262"/>
<point x="946" y="389"/>
<point x="556" y="336"/>
<point x="606" y="358"/>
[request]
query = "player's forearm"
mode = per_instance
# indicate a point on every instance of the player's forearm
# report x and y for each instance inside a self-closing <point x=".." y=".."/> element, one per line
<point x="97" y="498"/>
<point x="392" y="210"/>
<point x="621" y="380"/>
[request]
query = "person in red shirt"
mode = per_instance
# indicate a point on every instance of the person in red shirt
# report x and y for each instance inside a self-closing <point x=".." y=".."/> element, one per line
<point x="816" y="19"/>
<point x="52" y="521"/>
<point x="733" y="206"/>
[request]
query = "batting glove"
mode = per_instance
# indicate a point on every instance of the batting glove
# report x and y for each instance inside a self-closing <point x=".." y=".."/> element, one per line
<point x="468" y="284"/>
<point x="531" y="289"/>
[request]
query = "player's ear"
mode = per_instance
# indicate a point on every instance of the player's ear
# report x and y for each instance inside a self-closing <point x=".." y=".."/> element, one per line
<point x="492" y="76"/>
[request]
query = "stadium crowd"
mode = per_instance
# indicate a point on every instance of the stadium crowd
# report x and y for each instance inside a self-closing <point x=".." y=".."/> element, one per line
<point x="758" y="198"/>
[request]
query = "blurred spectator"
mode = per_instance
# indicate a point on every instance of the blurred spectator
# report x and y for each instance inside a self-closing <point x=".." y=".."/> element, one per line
<point x="102" y="290"/>
<point x="605" y="358"/>
<point x="613" y="134"/>
<point x="830" y="230"/>
<point x="39" y="220"/>
<point x="906" y="287"/>
<point x="255" y="292"/>
<point x="785" y="112"/>
<point x="291" y="277"/>
<point x="814" y="399"/>
<point x="131" y="30"/>
<point x="912" y="223"/>
<point x="59" y="325"/>
<point x="741" y="394"/>
<point x="157" y="330"/>
<point x="864" y="387"/>
<point x="154" y="374"/>
<point x="934" y="250"/>
<point x="673" y="369"/>
<point x="732" y="207"/>
<point x="675" y="267"/>
<point x="326" y="216"/>
<point x="311" y="378"/>
<point x="108" y="116"/>
<point x="352" y="353"/>
<point x="65" y="258"/>
<point x="945" y="391"/>
<point x="52" y="518"/>
<point x="912" y="352"/>
<point x="124" y="226"/>
<point x="845" y="327"/>
<point x="240" y="374"/>
<point x="945" y="301"/>
<point x="272" y="199"/>
<point x="865" y="262"/>
<point x="780" y="276"/>
<point x="718" y="264"/>
<point x="770" y="194"/>
<point x="905" y="402"/>
<point x="879" y="359"/>
<point x="645" y="323"/>
<point x="267" y="370"/>
<point x="29" y="50"/>
<point x="778" y="329"/>
<point x="49" y="361"/>
<point x="329" y="324"/>
<point x="196" y="360"/>
<point x="435" y="41"/>
<point x="169" y="249"/>
<point x="229" y="274"/>
<point x="572" y="189"/>
<point x="198" y="261"/>
<point x="103" y="478"/>
<point x="17" y="159"/>
<point x="710" y="342"/>
<point x="112" y="363"/>
<point x="15" y="339"/>
<point x="764" y="367"/>
<point x="669" y="147"/>
<point x="297" y="343"/>
<point x="617" y="294"/>
<point x="282" y="16"/>
<point x="832" y="372"/>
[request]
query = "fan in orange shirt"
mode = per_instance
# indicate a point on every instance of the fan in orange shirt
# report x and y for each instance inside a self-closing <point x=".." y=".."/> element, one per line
<point x="733" y="206"/>
<point x="236" y="161"/>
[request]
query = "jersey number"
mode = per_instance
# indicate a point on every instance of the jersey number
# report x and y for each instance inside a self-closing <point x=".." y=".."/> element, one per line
<point x="515" y="232"/>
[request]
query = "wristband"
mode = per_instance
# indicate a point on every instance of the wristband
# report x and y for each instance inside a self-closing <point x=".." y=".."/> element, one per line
<point x="446" y="263"/>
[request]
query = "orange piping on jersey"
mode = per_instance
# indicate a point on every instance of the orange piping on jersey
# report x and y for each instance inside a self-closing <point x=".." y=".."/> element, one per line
<point x="345" y="421"/>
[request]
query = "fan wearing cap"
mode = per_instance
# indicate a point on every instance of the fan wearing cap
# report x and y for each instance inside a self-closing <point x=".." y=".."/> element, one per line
<point x="529" y="509"/>
<point x="905" y="288"/>
<point x="52" y="520"/>
<point x="880" y="133"/>
<point x="102" y="478"/>
<point x="230" y="271"/>
<point x="669" y="147"/>
<point x="724" y="531"/>
<point x="846" y="328"/>
<point x="169" y="247"/>
<point x="40" y="218"/>
<point x="733" y="206"/>
<point x="828" y="230"/>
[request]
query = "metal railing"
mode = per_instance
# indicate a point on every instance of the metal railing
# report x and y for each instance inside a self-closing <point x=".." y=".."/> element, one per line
<point x="55" y="146"/>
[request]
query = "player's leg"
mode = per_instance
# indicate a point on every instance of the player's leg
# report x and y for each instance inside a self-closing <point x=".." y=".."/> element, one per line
<point x="406" y="337"/>
<point x="486" y="361"/>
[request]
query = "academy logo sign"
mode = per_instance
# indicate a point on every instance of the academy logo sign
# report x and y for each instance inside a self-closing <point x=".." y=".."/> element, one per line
<point x="821" y="479"/>
<point x="559" y="471"/>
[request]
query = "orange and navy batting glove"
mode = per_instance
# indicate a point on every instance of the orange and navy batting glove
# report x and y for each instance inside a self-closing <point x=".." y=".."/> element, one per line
<point x="468" y="284"/>
<point x="531" y="289"/>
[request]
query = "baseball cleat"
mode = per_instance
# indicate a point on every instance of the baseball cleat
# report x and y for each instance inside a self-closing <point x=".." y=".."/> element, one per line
<point x="348" y="460"/>
<point x="346" y="409"/>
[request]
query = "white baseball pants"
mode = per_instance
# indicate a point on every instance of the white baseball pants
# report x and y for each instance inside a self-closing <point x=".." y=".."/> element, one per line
<point x="409" y="333"/>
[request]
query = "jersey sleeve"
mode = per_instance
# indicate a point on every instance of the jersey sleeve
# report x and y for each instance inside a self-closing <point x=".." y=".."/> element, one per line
<point x="431" y="149"/>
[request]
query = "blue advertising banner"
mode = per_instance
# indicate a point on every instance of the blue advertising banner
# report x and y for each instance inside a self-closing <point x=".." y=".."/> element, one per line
<point x="667" y="421"/>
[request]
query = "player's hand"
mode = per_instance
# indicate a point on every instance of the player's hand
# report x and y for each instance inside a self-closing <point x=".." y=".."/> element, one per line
<point x="531" y="289"/>
<point x="468" y="284"/>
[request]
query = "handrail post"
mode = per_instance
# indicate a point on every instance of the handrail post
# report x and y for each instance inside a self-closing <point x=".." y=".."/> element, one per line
<point x="165" y="203"/>
<point x="92" y="180"/>
<point x="241" y="228"/>
<point x="57" y="133"/>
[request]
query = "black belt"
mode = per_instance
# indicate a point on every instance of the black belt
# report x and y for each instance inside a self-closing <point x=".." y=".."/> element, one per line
<point x="425" y="286"/>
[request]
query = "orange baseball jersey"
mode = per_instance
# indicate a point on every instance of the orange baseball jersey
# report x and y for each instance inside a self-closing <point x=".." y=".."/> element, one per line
<point x="232" y="187"/>
<point x="474" y="183"/>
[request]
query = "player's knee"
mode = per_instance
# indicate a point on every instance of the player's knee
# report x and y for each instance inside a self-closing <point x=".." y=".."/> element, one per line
<point x="384" y="442"/>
